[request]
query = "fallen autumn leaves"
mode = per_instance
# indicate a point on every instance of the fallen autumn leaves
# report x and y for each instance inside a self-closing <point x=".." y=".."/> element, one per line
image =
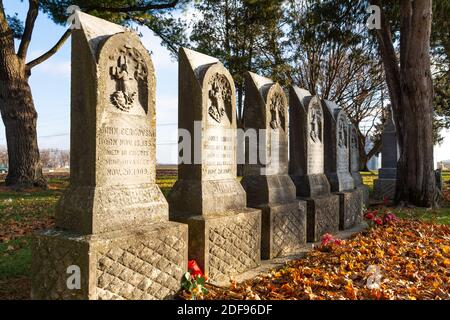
<point x="413" y="259"/>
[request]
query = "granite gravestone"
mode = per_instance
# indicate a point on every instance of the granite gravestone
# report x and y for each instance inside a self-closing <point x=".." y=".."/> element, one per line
<point x="266" y="180"/>
<point x="337" y="160"/>
<point x="112" y="223"/>
<point x="306" y="163"/>
<point x="354" y="166"/>
<point x="224" y="235"/>
<point x="384" y="186"/>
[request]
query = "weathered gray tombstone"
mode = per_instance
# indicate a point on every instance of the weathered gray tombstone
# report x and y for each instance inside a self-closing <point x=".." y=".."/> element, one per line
<point x="439" y="181"/>
<point x="354" y="166"/>
<point x="224" y="235"/>
<point x="266" y="180"/>
<point x="337" y="161"/>
<point x="306" y="163"/>
<point x="384" y="186"/>
<point x="112" y="239"/>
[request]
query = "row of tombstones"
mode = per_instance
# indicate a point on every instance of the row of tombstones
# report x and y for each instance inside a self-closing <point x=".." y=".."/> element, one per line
<point x="117" y="237"/>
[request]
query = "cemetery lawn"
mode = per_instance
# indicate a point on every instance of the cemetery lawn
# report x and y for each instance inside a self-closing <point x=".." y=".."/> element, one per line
<point x="22" y="213"/>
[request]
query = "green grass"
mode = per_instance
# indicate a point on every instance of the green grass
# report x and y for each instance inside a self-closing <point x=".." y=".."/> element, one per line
<point x="15" y="258"/>
<point x="438" y="216"/>
<point x="166" y="183"/>
<point x="19" y="206"/>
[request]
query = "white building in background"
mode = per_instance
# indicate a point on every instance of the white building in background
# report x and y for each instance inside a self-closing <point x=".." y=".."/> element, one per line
<point x="374" y="162"/>
<point x="444" y="165"/>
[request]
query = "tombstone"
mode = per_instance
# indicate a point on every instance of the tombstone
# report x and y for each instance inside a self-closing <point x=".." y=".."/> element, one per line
<point x="112" y="239"/>
<point x="266" y="180"/>
<point x="384" y="186"/>
<point x="337" y="161"/>
<point x="354" y="166"/>
<point x="224" y="235"/>
<point x="306" y="163"/>
<point x="439" y="181"/>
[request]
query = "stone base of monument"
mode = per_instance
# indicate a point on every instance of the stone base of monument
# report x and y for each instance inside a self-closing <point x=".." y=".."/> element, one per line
<point x="365" y="194"/>
<point x="384" y="188"/>
<point x="350" y="208"/>
<point x="225" y="245"/>
<point x="144" y="264"/>
<point x="283" y="229"/>
<point x="322" y="216"/>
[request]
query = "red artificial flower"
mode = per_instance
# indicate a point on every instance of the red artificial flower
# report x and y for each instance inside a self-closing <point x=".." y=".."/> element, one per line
<point x="370" y="216"/>
<point x="378" y="221"/>
<point x="390" y="217"/>
<point x="194" y="269"/>
<point x="328" y="238"/>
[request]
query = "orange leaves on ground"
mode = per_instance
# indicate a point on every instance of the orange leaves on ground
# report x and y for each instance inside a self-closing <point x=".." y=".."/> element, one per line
<point x="403" y="260"/>
<point x="446" y="194"/>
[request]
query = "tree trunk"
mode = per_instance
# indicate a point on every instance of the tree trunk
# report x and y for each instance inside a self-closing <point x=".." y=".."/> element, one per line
<point x="415" y="173"/>
<point x="19" y="116"/>
<point x="411" y="93"/>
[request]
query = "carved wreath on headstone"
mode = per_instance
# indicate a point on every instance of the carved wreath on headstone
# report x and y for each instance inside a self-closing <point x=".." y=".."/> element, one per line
<point x="277" y="111"/>
<point x="342" y="133"/>
<point x="128" y="73"/>
<point x="219" y="96"/>
<point x="315" y="131"/>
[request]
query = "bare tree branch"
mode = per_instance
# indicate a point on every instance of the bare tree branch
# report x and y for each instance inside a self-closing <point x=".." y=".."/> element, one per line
<point x="32" y="14"/>
<point x="149" y="6"/>
<point x="51" y="52"/>
<point x="391" y="65"/>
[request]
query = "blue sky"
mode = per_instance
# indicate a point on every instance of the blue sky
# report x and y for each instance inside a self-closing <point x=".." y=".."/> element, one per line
<point x="50" y="84"/>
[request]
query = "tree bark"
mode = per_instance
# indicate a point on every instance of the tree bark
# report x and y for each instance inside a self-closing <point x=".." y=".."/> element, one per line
<point x="416" y="182"/>
<point x="18" y="114"/>
<point x="411" y="93"/>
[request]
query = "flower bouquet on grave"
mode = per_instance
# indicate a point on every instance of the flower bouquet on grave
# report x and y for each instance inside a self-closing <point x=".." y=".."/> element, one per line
<point x="379" y="217"/>
<point x="194" y="280"/>
<point x="328" y="242"/>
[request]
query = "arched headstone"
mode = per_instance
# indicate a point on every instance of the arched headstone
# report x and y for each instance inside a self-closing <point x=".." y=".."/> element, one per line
<point x="266" y="180"/>
<point x="384" y="186"/>
<point x="112" y="221"/>
<point x="354" y="166"/>
<point x="337" y="165"/>
<point x="306" y="163"/>
<point x="224" y="235"/>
